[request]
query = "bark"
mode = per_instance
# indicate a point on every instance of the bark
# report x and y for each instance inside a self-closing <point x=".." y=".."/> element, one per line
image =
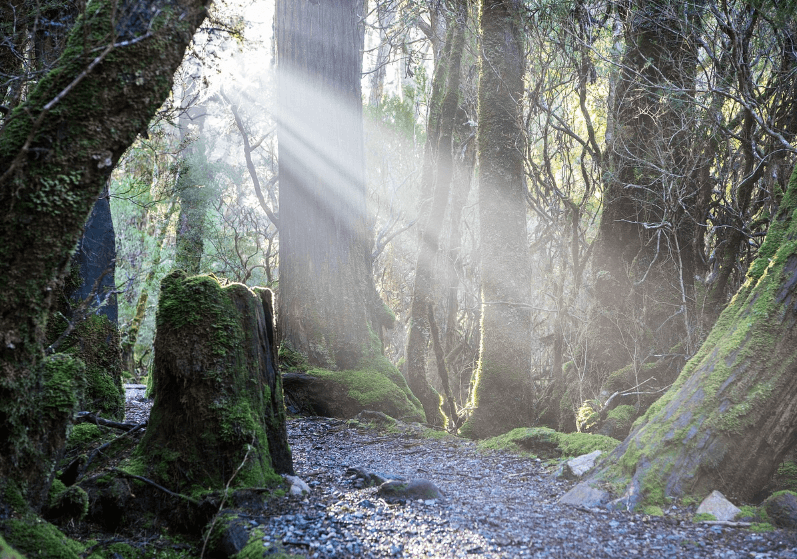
<point x="730" y="417"/>
<point x="503" y="389"/>
<point x="438" y="170"/>
<point x="57" y="150"/>
<point x="645" y="254"/>
<point x="217" y="388"/>
<point x="326" y="287"/>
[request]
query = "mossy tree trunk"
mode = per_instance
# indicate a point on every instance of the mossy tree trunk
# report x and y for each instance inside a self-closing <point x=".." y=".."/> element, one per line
<point x="57" y="150"/>
<point x="218" y="394"/>
<point x="730" y="417"/>
<point x="503" y="389"/>
<point x="326" y="290"/>
<point x="644" y="263"/>
<point x="437" y="173"/>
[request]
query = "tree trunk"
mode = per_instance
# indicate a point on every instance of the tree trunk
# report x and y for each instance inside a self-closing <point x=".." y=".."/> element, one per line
<point x="217" y="388"/>
<point x="502" y="392"/>
<point x="644" y="275"/>
<point x="438" y="171"/>
<point x="729" y="419"/>
<point x="57" y="150"/>
<point x="326" y="286"/>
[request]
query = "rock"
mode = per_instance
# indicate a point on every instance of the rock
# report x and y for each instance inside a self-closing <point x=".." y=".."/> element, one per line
<point x="583" y="495"/>
<point x="413" y="489"/>
<point x="230" y="534"/>
<point x="781" y="508"/>
<point x="370" y="479"/>
<point x="298" y="486"/>
<point x="577" y="467"/>
<point x="719" y="506"/>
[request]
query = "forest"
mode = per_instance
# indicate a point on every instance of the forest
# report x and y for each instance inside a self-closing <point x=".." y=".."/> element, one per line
<point x="537" y="228"/>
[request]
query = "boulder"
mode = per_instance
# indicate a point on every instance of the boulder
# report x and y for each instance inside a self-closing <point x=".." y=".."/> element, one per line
<point x="781" y="508"/>
<point x="584" y="495"/>
<point x="396" y="490"/>
<point x="577" y="467"/>
<point x="717" y="505"/>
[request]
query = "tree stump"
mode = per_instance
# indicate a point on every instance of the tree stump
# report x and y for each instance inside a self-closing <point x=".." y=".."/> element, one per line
<point x="218" y="412"/>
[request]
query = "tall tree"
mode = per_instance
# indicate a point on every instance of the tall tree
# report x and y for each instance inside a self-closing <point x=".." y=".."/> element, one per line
<point x="729" y="419"/>
<point x="326" y="290"/>
<point x="437" y="176"/>
<point x="57" y="149"/>
<point x="503" y="388"/>
<point x="645" y="252"/>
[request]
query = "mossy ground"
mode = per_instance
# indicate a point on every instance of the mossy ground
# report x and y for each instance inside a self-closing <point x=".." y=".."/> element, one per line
<point x="547" y="443"/>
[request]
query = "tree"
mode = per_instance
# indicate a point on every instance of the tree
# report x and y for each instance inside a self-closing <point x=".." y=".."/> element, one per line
<point x="57" y="149"/>
<point x="729" y="419"/>
<point x="502" y="392"/>
<point x="437" y="177"/>
<point x="645" y="259"/>
<point x="326" y="291"/>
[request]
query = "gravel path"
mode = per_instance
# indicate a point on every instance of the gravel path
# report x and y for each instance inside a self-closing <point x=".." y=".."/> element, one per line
<point x="497" y="505"/>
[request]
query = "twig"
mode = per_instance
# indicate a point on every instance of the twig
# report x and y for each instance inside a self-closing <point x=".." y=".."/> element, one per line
<point x="155" y="485"/>
<point x="224" y="498"/>
<point x="727" y="523"/>
<point x="85" y="468"/>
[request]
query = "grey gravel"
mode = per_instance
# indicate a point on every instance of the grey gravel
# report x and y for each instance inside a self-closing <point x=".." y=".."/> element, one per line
<point x="496" y="505"/>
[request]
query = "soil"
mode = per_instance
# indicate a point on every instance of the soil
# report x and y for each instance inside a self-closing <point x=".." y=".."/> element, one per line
<point x="497" y="504"/>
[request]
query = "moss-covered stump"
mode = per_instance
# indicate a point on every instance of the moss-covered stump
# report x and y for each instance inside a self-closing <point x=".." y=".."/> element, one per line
<point x="377" y="385"/>
<point x="729" y="419"/>
<point x="218" y="411"/>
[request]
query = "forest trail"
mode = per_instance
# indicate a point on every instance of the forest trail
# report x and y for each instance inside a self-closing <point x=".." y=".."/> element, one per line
<point x="497" y="504"/>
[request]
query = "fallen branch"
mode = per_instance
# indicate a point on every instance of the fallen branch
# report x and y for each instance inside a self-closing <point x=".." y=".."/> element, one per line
<point x="88" y="417"/>
<point x="727" y="523"/>
<point x="98" y="450"/>
<point x="155" y="485"/>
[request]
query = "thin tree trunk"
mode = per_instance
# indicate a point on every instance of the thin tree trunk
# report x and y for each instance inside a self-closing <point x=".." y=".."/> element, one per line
<point x="502" y="395"/>
<point x="438" y="169"/>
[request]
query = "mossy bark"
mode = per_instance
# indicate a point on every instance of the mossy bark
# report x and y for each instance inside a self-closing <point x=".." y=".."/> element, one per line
<point x="218" y="395"/>
<point x="503" y="390"/>
<point x="57" y="150"/>
<point x="729" y="419"/>
<point x="438" y="172"/>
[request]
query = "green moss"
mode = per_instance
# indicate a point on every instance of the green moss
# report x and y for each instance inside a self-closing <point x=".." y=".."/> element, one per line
<point x="588" y="415"/>
<point x="13" y="495"/>
<point x="8" y="552"/>
<point x="39" y="539"/>
<point x="64" y="380"/>
<point x="747" y="512"/>
<point x="56" y="489"/>
<point x="703" y="516"/>
<point x="652" y="510"/>
<point x="83" y="434"/>
<point x="761" y="527"/>
<point x="254" y="548"/>
<point x="549" y="443"/>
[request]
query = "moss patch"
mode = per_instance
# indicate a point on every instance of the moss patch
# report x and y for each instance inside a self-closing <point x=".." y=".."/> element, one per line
<point x="548" y="443"/>
<point x="39" y="539"/>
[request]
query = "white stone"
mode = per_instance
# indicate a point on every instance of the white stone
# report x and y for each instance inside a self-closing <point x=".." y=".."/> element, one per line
<point x="298" y="486"/>
<point x="577" y="467"/>
<point x="719" y="506"/>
